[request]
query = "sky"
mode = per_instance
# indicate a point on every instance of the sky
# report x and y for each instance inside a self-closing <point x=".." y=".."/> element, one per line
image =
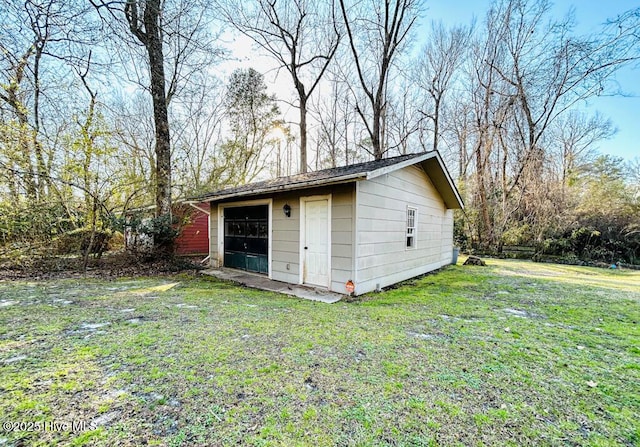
<point x="623" y="111"/>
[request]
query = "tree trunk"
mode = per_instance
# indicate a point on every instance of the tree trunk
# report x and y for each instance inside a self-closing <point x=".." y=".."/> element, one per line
<point x="163" y="142"/>
<point x="152" y="40"/>
<point x="436" y="122"/>
<point x="485" y="237"/>
<point x="43" y="177"/>
<point x="23" y="159"/>
<point x="147" y="30"/>
<point x="303" y="132"/>
<point x="375" y="135"/>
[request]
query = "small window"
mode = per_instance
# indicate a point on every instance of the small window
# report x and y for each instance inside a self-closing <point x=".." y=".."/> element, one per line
<point x="411" y="227"/>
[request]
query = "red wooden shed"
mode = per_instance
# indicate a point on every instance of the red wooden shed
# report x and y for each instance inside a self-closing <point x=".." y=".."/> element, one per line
<point x="194" y="233"/>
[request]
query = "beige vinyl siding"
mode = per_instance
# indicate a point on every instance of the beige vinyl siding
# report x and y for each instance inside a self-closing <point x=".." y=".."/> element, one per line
<point x="341" y="236"/>
<point x="383" y="258"/>
<point x="285" y="242"/>
<point x="446" y="243"/>
<point x="286" y="235"/>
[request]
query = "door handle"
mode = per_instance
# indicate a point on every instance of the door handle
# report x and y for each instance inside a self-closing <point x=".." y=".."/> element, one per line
<point x="306" y="248"/>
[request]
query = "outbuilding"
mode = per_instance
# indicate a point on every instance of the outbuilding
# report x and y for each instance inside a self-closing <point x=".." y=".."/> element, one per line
<point x="193" y="239"/>
<point x="369" y="225"/>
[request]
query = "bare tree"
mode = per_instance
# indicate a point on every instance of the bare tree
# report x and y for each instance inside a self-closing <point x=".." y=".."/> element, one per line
<point x="378" y="32"/>
<point x="528" y="71"/>
<point x="144" y="19"/>
<point x="627" y="27"/>
<point x="434" y="71"/>
<point x="404" y="122"/>
<point x="134" y="134"/>
<point x="573" y="139"/>
<point x="35" y="37"/>
<point x="176" y="44"/>
<point x="334" y="111"/>
<point x="549" y="70"/>
<point x="198" y="120"/>
<point x="484" y="120"/>
<point x="460" y="118"/>
<point x="301" y="35"/>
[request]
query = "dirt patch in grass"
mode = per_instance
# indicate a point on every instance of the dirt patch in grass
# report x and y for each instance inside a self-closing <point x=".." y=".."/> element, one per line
<point x="188" y="360"/>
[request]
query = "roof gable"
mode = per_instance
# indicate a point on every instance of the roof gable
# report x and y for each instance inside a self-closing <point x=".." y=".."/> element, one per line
<point x="431" y="162"/>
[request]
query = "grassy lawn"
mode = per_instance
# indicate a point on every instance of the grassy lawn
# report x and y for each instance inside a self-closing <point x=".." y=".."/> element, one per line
<point x="515" y="353"/>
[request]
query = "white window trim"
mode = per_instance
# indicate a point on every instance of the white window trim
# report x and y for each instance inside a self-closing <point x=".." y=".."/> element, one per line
<point x="415" y="228"/>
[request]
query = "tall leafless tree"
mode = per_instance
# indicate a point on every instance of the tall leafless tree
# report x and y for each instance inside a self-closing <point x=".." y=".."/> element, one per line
<point x="301" y="35"/>
<point x="145" y="23"/>
<point x="378" y="32"/>
<point x="434" y="71"/>
<point x="573" y="140"/>
<point x="528" y="71"/>
<point x="174" y="36"/>
<point x="197" y="121"/>
<point x="334" y="112"/>
<point x="36" y="40"/>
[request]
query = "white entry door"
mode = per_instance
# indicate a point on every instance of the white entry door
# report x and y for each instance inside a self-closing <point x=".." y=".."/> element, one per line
<point x="316" y="244"/>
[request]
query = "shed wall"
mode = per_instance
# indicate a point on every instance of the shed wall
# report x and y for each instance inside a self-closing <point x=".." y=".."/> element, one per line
<point x="194" y="236"/>
<point x="285" y="244"/>
<point x="382" y="256"/>
<point x="285" y="234"/>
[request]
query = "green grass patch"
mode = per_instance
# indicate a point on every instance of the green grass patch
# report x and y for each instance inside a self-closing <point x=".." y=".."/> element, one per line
<point x="516" y="353"/>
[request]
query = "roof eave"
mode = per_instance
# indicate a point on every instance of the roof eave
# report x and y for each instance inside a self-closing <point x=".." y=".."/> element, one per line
<point x="397" y="166"/>
<point x="286" y="187"/>
<point x="443" y="181"/>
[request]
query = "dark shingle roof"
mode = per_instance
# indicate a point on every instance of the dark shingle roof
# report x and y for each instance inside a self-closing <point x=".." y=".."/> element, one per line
<point x="326" y="176"/>
<point x="431" y="162"/>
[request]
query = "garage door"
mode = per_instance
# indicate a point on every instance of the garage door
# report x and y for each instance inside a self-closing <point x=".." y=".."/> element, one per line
<point x="246" y="238"/>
